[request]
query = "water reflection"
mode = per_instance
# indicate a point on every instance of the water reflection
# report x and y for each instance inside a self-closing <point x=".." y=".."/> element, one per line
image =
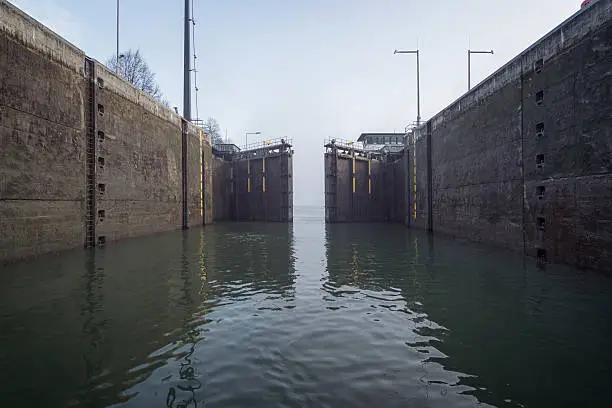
<point x="376" y="275"/>
<point x="374" y="315"/>
<point x="497" y="320"/>
<point x="94" y="322"/>
<point x="86" y="328"/>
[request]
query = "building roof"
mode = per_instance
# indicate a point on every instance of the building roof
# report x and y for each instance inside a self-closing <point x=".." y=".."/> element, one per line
<point x="364" y="135"/>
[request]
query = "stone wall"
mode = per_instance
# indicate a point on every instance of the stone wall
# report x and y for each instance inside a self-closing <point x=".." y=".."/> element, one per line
<point x="49" y="134"/>
<point x="524" y="159"/>
<point x="42" y="149"/>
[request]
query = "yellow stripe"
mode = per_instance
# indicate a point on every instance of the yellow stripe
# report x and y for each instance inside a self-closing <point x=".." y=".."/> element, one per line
<point x="353" y="174"/>
<point x="263" y="177"/>
<point x="248" y="176"/>
<point x="201" y="178"/>
<point x="415" y="175"/>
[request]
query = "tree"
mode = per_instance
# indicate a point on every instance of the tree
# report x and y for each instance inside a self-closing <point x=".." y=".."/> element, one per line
<point x="134" y="69"/>
<point x="211" y="127"/>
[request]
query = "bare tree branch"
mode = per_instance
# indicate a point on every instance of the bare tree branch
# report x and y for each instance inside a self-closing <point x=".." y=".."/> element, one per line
<point x="134" y="69"/>
<point x="211" y="127"/>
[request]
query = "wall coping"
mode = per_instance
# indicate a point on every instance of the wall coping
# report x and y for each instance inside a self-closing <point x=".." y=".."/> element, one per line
<point x="34" y="35"/>
<point x="561" y="38"/>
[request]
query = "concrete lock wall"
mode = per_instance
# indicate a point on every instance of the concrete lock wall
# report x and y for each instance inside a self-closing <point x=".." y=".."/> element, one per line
<point x="524" y="159"/>
<point x="359" y="188"/>
<point x="85" y="158"/>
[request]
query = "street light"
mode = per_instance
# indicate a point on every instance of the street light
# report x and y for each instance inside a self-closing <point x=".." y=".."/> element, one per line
<point x="470" y="52"/>
<point x="246" y="137"/>
<point x="418" y="81"/>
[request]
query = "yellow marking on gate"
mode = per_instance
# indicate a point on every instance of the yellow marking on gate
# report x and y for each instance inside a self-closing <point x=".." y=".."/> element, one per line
<point x="353" y="174"/>
<point x="263" y="167"/>
<point x="415" y="181"/>
<point x="201" y="179"/>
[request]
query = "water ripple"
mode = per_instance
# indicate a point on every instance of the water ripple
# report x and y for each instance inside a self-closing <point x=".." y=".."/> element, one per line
<point x="301" y="315"/>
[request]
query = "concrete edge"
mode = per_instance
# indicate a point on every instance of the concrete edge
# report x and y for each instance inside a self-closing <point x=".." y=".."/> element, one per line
<point x="33" y="34"/>
<point x="561" y="38"/>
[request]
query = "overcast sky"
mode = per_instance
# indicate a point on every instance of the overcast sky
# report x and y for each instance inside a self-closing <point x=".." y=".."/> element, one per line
<point x="310" y="69"/>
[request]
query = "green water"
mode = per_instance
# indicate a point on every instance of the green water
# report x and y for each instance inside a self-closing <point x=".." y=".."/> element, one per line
<point x="302" y="315"/>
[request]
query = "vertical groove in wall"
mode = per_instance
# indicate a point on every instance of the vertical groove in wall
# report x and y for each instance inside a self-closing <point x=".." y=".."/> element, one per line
<point x="407" y="186"/>
<point x="236" y="189"/>
<point x="351" y="186"/>
<point x="263" y="186"/>
<point x="331" y="185"/>
<point x="203" y="181"/>
<point x="90" y="180"/>
<point x="184" y="173"/>
<point x="284" y="162"/>
<point x="522" y="166"/>
<point x="429" y="181"/>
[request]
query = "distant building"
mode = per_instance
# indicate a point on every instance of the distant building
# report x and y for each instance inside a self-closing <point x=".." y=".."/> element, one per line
<point x="382" y="139"/>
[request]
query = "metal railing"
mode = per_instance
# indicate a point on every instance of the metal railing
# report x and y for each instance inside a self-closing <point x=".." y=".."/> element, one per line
<point x="415" y="130"/>
<point x="263" y="144"/>
<point x="343" y="143"/>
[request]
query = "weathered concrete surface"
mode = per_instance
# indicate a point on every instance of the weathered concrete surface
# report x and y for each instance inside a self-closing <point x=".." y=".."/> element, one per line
<point x="44" y="102"/>
<point x="567" y="207"/>
<point x="476" y="158"/>
<point x="419" y="189"/>
<point x="208" y="179"/>
<point x="524" y="160"/>
<point x="42" y="149"/>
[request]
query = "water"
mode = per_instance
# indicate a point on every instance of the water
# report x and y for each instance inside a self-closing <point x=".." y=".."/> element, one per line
<point x="302" y="315"/>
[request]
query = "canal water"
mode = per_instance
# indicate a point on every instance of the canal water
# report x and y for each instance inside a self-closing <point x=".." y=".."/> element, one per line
<point x="302" y="315"/>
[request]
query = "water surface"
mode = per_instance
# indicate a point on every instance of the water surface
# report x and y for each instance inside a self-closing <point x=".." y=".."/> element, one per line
<point x="302" y="315"/>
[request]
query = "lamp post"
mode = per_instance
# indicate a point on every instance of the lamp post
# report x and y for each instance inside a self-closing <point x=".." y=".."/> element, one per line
<point x="246" y="137"/>
<point x="417" y="79"/>
<point x="187" y="66"/>
<point x="469" y="53"/>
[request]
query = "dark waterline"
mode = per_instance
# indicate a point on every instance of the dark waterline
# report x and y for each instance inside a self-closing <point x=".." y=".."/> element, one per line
<point x="261" y="315"/>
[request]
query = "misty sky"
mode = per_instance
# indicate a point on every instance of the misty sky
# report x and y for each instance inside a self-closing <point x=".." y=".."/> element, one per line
<point x="310" y="69"/>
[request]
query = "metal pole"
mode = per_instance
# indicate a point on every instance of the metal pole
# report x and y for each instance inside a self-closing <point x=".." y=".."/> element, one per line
<point x="417" y="52"/>
<point x="418" y="90"/>
<point x="470" y="52"/>
<point x="187" y="68"/>
<point x="469" y="70"/>
<point x="117" y="55"/>
<point x="246" y="137"/>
